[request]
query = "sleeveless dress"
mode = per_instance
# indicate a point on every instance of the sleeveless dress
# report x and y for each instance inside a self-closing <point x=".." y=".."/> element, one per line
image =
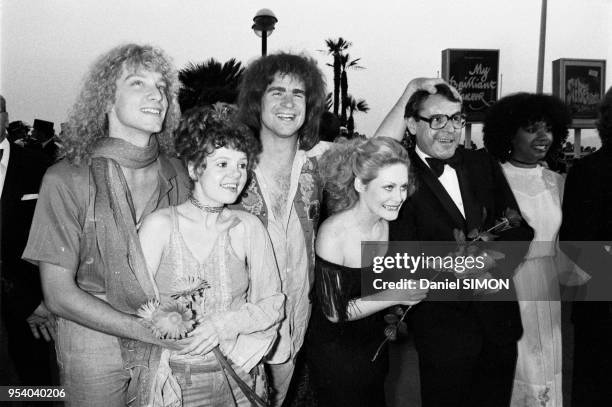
<point x="246" y="324"/>
<point x="339" y="354"/>
<point x="537" y="380"/>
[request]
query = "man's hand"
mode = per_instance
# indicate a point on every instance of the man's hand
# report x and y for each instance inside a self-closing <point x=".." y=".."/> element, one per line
<point x="42" y="323"/>
<point x="428" y="84"/>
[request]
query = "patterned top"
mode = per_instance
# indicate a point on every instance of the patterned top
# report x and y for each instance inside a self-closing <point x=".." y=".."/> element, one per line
<point x="243" y="302"/>
<point x="293" y="241"/>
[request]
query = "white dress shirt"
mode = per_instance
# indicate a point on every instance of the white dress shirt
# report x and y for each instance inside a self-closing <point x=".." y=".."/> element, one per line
<point x="6" y="146"/>
<point x="448" y="179"/>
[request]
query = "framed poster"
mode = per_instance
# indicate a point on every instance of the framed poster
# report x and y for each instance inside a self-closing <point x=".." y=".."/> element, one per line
<point x="580" y="83"/>
<point x="474" y="73"/>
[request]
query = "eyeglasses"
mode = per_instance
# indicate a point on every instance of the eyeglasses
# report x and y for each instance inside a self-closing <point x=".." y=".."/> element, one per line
<point x="439" y="121"/>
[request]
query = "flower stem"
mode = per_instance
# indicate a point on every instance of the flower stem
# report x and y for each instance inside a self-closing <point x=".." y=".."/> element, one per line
<point x="379" y="349"/>
<point x="387" y="338"/>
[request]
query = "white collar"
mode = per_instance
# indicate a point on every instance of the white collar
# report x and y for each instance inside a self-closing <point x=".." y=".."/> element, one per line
<point x="422" y="155"/>
<point x="6" y="146"/>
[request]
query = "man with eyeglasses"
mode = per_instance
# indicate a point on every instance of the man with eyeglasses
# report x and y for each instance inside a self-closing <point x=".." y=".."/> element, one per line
<point x="467" y="350"/>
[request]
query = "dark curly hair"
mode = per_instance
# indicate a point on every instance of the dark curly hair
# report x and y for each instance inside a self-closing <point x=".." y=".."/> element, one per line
<point x="521" y="110"/>
<point x="416" y="100"/>
<point x="261" y="73"/>
<point x="357" y="158"/>
<point x="88" y="120"/>
<point x="604" y="123"/>
<point x="203" y="129"/>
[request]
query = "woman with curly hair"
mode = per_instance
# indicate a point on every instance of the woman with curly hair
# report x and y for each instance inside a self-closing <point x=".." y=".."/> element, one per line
<point x="522" y="131"/>
<point x="202" y="240"/>
<point x="118" y="166"/>
<point x="367" y="183"/>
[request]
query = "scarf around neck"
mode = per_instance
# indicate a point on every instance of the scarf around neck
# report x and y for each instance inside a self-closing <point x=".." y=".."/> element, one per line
<point x="128" y="283"/>
<point x="125" y="153"/>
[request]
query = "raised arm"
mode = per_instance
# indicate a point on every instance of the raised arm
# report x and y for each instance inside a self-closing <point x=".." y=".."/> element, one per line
<point x="393" y="125"/>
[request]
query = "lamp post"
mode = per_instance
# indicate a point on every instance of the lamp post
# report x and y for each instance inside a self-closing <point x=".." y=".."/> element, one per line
<point x="264" y="25"/>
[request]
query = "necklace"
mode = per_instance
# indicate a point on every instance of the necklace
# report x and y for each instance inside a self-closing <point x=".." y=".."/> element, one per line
<point x="205" y="208"/>
<point x="531" y="165"/>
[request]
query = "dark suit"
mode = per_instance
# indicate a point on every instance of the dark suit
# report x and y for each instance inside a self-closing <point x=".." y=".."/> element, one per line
<point x="467" y="350"/>
<point x="587" y="216"/>
<point x="21" y="289"/>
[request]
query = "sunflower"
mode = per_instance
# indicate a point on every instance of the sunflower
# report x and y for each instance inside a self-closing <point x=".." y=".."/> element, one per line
<point x="147" y="309"/>
<point x="189" y="287"/>
<point x="170" y="320"/>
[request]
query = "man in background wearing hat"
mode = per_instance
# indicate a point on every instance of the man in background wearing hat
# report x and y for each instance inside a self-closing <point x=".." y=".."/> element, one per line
<point x="43" y="137"/>
<point x="24" y="315"/>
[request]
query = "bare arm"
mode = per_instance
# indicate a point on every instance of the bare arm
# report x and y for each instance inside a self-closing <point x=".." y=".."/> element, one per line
<point x="393" y="125"/>
<point x="329" y="246"/>
<point x="65" y="299"/>
<point x="154" y="235"/>
<point x="366" y="306"/>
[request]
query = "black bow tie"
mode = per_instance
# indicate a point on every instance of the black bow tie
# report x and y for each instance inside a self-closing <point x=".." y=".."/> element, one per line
<point x="437" y="165"/>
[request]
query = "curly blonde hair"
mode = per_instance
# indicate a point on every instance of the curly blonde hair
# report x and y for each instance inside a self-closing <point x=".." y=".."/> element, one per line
<point x="88" y="122"/>
<point x="362" y="159"/>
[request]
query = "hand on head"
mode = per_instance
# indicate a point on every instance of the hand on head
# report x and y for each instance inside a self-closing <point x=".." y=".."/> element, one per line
<point x="429" y="84"/>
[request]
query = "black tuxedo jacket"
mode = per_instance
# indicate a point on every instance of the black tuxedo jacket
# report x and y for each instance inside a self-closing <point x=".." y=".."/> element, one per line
<point x="431" y="215"/>
<point x="20" y="279"/>
<point x="587" y="216"/>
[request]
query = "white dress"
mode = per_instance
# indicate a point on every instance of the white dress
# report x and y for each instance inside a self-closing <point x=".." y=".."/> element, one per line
<point x="537" y="381"/>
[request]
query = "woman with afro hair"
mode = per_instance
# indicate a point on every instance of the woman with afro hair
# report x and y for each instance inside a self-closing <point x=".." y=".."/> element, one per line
<point x="522" y="131"/>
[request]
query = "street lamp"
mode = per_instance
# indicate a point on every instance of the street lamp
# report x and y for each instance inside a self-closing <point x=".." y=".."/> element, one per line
<point x="264" y="25"/>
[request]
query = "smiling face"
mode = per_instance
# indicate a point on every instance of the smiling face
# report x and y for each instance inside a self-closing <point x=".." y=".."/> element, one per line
<point x="440" y="143"/>
<point x="386" y="193"/>
<point x="531" y="144"/>
<point x="283" y="107"/>
<point x="223" y="178"/>
<point x="140" y="105"/>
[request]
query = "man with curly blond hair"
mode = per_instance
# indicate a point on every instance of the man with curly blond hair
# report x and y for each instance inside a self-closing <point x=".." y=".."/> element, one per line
<point x="282" y="97"/>
<point x="117" y="168"/>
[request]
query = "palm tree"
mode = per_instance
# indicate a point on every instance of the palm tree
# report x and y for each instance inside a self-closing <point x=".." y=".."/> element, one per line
<point x="346" y="63"/>
<point x="209" y="82"/>
<point x="328" y="101"/>
<point x="355" y="106"/>
<point x="336" y="49"/>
